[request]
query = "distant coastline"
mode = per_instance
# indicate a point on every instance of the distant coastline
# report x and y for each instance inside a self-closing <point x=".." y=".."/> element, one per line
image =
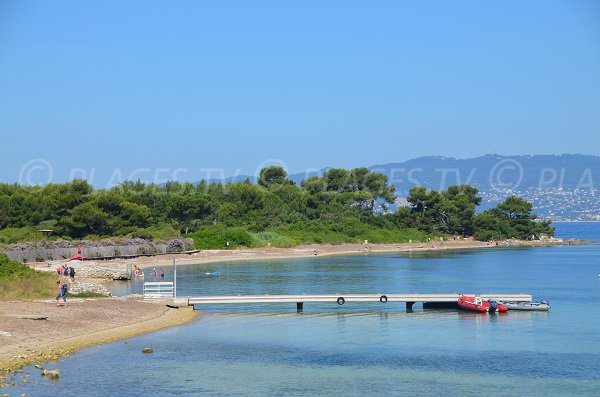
<point x="315" y="250"/>
<point x="575" y="221"/>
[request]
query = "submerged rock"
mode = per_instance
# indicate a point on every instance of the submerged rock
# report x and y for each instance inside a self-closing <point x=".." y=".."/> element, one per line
<point x="54" y="374"/>
<point x="147" y="350"/>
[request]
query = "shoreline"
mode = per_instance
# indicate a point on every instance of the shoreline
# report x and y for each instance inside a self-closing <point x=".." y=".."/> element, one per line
<point x="308" y="251"/>
<point x="86" y="322"/>
<point x="106" y="320"/>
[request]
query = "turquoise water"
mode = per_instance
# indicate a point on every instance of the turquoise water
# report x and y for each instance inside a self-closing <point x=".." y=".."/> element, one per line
<point x="366" y="349"/>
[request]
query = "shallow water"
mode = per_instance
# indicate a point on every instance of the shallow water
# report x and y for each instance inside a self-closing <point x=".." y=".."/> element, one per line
<point x="366" y="349"/>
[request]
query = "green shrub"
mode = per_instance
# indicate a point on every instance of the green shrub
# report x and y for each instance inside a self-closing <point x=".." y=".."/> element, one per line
<point x="217" y="236"/>
<point x="18" y="281"/>
<point x="485" y="235"/>
<point x="12" y="235"/>
<point x="86" y="294"/>
<point x="263" y="239"/>
<point x="12" y="270"/>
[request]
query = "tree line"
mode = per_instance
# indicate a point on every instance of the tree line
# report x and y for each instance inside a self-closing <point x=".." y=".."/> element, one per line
<point x="340" y="206"/>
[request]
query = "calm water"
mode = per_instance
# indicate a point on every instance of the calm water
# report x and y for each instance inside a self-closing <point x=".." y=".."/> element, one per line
<point x="358" y="349"/>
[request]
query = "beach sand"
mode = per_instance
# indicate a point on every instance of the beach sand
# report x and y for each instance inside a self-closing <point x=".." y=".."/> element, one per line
<point x="82" y="323"/>
<point x="304" y="251"/>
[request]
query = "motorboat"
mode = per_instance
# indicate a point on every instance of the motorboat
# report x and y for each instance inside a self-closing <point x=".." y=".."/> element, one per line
<point x="542" y="306"/>
<point x="478" y="304"/>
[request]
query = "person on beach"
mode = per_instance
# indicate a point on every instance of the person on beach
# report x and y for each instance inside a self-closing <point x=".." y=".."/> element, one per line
<point x="154" y="272"/>
<point x="62" y="293"/>
<point x="137" y="271"/>
<point x="72" y="273"/>
<point x="162" y="273"/>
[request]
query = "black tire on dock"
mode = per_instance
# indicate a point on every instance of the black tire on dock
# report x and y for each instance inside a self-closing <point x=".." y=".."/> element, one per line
<point x="383" y="299"/>
<point x="341" y="301"/>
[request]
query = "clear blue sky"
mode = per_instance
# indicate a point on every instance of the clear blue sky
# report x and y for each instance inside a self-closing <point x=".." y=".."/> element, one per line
<point x="112" y="86"/>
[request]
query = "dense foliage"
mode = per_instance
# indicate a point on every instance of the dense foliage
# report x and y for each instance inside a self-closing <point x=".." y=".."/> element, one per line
<point x="341" y="206"/>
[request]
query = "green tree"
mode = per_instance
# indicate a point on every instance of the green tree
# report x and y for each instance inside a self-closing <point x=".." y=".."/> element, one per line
<point x="86" y="219"/>
<point x="273" y="176"/>
<point x="336" y="179"/>
<point x="314" y="185"/>
<point x="511" y="219"/>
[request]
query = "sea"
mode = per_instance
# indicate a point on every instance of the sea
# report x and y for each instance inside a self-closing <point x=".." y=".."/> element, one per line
<point x="358" y="349"/>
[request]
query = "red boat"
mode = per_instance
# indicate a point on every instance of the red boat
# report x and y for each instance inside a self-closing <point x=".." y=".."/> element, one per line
<point x="477" y="304"/>
<point x="76" y="258"/>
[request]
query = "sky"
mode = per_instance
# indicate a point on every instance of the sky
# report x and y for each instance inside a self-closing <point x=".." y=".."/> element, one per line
<point x="158" y="90"/>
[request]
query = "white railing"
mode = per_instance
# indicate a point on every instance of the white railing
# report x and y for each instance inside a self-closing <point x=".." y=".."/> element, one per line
<point x="159" y="290"/>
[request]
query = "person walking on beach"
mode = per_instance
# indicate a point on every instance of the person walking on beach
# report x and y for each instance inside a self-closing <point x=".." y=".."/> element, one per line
<point x="162" y="273"/>
<point x="72" y="273"/>
<point x="62" y="293"/>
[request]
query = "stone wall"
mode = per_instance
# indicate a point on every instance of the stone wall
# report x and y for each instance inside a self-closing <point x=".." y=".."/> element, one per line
<point x="99" y="270"/>
<point x="78" y="287"/>
<point x="44" y="250"/>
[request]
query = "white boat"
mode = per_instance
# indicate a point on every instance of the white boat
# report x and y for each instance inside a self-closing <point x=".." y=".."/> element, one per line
<point x="528" y="306"/>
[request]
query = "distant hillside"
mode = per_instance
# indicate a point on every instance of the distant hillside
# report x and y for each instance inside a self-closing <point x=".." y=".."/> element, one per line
<point x="494" y="172"/>
<point x="563" y="187"/>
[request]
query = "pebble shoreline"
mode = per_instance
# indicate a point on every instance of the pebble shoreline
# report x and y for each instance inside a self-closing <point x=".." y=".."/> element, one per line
<point x="89" y="322"/>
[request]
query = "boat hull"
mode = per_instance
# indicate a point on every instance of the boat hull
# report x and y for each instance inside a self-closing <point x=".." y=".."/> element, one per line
<point x="528" y="306"/>
<point x="476" y="304"/>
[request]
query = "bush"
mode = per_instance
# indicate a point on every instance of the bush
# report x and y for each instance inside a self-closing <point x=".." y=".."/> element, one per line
<point x="12" y="270"/>
<point x="162" y="231"/>
<point x="217" y="236"/>
<point x="13" y="235"/>
<point x="21" y="282"/>
<point x="263" y="239"/>
<point x="485" y="235"/>
<point x="86" y="294"/>
<point x="178" y="245"/>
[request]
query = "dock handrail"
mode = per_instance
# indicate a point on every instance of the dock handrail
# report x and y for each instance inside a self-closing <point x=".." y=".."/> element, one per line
<point x="159" y="289"/>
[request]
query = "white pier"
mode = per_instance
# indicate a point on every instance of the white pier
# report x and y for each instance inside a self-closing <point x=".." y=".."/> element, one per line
<point x="341" y="299"/>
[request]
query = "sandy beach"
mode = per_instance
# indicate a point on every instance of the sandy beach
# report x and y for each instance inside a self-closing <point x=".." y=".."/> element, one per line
<point x="82" y="323"/>
<point x="304" y="251"/>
